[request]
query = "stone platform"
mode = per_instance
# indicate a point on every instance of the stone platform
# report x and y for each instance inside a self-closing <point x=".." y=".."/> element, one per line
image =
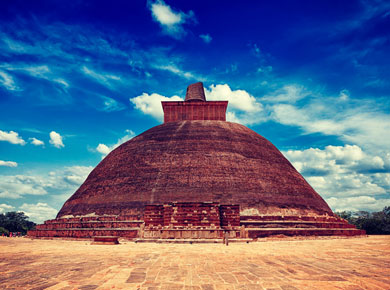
<point x="89" y="227"/>
<point x="105" y="240"/>
<point x="285" y="264"/>
<point x="194" y="220"/>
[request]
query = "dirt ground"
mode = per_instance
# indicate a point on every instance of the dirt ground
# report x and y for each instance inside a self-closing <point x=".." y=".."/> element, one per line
<point x="321" y="263"/>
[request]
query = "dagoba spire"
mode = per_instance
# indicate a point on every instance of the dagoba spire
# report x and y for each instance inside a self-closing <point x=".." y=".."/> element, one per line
<point x="195" y="92"/>
<point x="194" y="107"/>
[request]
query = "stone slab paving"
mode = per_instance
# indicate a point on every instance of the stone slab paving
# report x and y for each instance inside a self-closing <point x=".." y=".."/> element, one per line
<point x="288" y="264"/>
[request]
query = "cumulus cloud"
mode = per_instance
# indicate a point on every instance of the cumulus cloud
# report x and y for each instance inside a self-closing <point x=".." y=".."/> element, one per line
<point x="344" y="174"/>
<point x="5" y="208"/>
<point x="238" y="99"/>
<point x="38" y="212"/>
<point x="8" y="163"/>
<point x="206" y="38"/>
<point x="231" y="117"/>
<point x="359" y="203"/>
<point x="151" y="104"/>
<point x="15" y="186"/>
<point x="11" y="137"/>
<point x="243" y="107"/>
<point x="61" y="181"/>
<point x="56" y="139"/>
<point x="75" y="175"/>
<point x="170" y="21"/>
<point x="36" y="142"/>
<point x="104" y="149"/>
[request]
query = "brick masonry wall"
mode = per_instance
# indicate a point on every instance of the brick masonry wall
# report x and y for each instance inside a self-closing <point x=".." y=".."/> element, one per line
<point x="192" y="215"/>
<point x="180" y="111"/>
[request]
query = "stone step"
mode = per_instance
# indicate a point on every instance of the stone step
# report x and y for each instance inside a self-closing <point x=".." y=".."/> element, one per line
<point x="266" y="232"/>
<point x="292" y="218"/>
<point x="294" y="224"/>
<point x="191" y="241"/>
<point x="188" y="233"/>
<point x="96" y="218"/>
<point x="129" y="233"/>
<point x="89" y="224"/>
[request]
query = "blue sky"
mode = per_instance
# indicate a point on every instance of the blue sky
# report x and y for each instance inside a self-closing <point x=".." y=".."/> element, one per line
<point x="79" y="78"/>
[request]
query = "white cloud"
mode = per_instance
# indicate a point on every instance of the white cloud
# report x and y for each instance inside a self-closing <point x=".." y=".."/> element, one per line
<point x="103" y="78"/>
<point x="59" y="182"/>
<point x="104" y="149"/>
<point x="5" y="208"/>
<point x="75" y="175"/>
<point x="177" y="71"/>
<point x="345" y="174"/>
<point x="39" y="71"/>
<point x="36" y="142"/>
<point x="288" y="94"/>
<point x="15" y="186"/>
<point x="170" y="21"/>
<point x="7" y="81"/>
<point x="8" y="163"/>
<point x="206" y="38"/>
<point x="238" y="99"/>
<point x="151" y="104"/>
<point x="129" y="135"/>
<point x="365" y="203"/>
<point x="231" y="117"/>
<point x="243" y="107"/>
<point x="38" y="212"/>
<point x="56" y="139"/>
<point x="111" y="105"/>
<point x="11" y="137"/>
<point x="359" y="122"/>
<point x="344" y="95"/>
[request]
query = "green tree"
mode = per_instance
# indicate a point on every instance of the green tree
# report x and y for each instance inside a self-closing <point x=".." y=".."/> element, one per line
<point x="3" y="231"/>
<point x="375" y="223"/>
<point x="16" y="222"/>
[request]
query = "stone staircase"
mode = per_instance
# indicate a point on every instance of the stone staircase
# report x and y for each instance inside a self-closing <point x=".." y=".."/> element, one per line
<point x="265" y="226"/>
<point x="88" y="227"/>
<point x="193" y="222"/>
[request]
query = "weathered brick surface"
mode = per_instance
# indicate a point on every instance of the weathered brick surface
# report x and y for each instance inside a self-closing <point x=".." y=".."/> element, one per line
<point x="192" y="215"/>
<point x="196" y="161"/>
<point x="84" y="233"/>
<point x="230" y="215"/>
<point x="195" y="92"/>
<point x="261" y="233"/>
<point x="180" y="111"/>
<point x="89" y="227"/>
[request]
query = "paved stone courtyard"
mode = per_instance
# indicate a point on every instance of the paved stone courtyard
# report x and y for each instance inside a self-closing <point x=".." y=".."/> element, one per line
<point x="337" y="263"/>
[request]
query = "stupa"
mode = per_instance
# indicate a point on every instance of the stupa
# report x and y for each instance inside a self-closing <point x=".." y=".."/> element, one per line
<point x="196" y="176"/>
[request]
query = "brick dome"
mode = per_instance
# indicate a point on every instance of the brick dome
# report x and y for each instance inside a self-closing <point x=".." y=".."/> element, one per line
<point x="196" y="161"/>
